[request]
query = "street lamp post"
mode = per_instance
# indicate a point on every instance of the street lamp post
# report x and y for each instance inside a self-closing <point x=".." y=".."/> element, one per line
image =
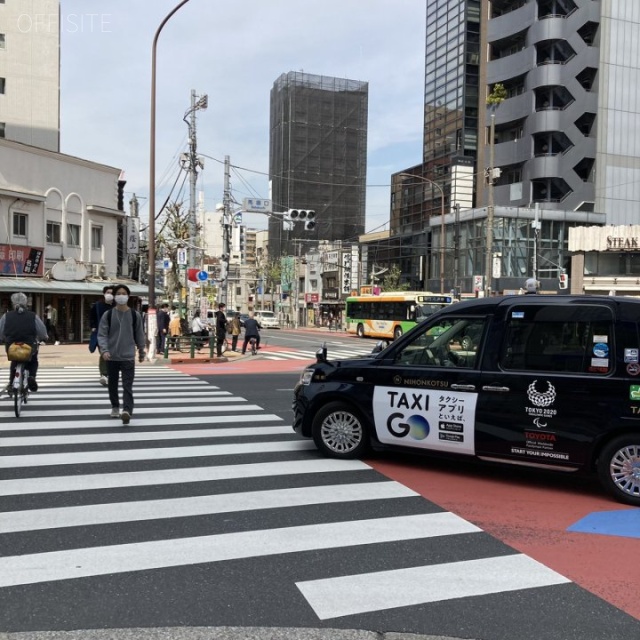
<point x="442" y="246"/>
<point x="152" y="170"/>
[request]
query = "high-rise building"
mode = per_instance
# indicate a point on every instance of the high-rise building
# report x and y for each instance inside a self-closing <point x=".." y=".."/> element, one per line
<point x="568" y="134"/>
<point x="317" y="158"/>
<point x="30" y="72"/>
<point x="565" y="149"/>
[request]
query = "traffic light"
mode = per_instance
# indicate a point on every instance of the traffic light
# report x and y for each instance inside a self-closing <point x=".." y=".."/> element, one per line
<point x="310" y="222"/>
<point x="298" y="215"/>
<point x="563" y="281"/>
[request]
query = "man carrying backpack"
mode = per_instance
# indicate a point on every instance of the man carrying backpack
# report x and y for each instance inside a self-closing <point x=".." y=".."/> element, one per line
<point x="119" y="334"/>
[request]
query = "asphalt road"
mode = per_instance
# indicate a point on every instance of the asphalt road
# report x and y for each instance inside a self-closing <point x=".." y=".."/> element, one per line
<point x="209" y="512"/>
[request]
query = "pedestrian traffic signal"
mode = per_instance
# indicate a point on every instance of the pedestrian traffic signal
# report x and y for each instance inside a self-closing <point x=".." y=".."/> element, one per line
<point x="563" y="281"/>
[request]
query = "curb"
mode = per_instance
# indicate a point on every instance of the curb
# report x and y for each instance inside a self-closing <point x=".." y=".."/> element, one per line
<point x="219" y="633"/>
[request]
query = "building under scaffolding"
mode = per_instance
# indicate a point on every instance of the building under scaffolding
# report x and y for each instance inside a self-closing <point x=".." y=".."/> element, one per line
<point x="317" y="158"/>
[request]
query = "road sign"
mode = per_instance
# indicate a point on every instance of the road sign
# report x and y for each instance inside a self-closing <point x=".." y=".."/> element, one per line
<point x="166" y="263"/>
<point x="203" y="276"/>
<point x="182" y="256"/>
<point x="256" y="205"/>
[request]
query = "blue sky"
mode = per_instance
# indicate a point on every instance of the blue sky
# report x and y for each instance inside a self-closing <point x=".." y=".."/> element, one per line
<point x="233" y="52"/>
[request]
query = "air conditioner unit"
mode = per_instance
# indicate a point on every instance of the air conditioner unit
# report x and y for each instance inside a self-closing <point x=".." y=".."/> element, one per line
<point x="99" y="271"/>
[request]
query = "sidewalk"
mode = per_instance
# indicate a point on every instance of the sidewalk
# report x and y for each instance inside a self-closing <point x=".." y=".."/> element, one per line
<point x="78" y="355"/>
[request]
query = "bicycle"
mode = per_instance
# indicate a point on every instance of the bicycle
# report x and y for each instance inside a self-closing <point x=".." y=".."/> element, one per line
<point x="20" y="387"/>
<point x="253" y="343"/>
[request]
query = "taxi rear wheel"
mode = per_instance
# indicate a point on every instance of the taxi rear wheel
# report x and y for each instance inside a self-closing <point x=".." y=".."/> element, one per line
<point x="339" y="431"/>
<point x="619" y="469"/>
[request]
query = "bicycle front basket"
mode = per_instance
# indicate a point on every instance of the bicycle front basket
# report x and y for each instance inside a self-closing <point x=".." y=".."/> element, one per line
<point x="19" y="352"/>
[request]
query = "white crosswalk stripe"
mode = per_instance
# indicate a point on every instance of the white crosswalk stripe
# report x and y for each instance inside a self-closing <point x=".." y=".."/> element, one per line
<point x="202" y="476"/>
<point x="335" y="352"/>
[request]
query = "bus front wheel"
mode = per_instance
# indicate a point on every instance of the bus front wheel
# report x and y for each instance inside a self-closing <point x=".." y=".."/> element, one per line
<point x="397" y="333"/>
<point x="360" y="331"/>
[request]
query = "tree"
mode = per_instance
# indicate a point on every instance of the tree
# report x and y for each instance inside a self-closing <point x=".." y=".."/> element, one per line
<point x="497" y="96"/>
<point x="391" y="281"/>
<point x="174" y="235"/>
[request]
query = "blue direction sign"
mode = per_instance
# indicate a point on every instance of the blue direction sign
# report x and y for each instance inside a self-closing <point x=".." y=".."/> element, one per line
<point x="203" y="275"/>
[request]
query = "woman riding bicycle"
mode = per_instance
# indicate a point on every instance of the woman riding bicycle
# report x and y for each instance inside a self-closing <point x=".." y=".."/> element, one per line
<point x="22" y="325"/>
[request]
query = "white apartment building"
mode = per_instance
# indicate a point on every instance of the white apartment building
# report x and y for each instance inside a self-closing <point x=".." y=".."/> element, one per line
<point x="59" y="233"/>
<point x="30" y="72"/>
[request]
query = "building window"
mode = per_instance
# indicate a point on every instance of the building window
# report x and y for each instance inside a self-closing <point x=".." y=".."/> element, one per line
<point x="53" y="232"/>
<point x="20" y="225"/>
<point x="96" y="237"/>
<point x="2" y="129"/>
<point x="2" y="85"/>
<point x="73" y="235"/>
<point x="2" y="41"/>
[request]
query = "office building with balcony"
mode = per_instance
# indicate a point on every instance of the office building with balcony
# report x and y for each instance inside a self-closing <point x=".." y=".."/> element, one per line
<point x="317" y="159"/>
<point x="566" y="145"/>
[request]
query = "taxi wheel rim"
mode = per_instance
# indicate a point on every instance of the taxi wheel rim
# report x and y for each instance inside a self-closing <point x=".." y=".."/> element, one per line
<point x="341" y="432"/>
<point x="625" y="470"/>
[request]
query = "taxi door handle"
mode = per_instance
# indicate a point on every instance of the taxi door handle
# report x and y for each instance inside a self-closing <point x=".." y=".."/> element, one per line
<point x="498" y="389"/>
<point x="463" y="387"/>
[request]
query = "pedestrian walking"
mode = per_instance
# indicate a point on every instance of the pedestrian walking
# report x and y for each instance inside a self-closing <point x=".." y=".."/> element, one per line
<point x="162" y="320"/>
<point x="221" y="328"/>
<point x="51" y="322"/>
<point x="119" y="335"/>
<point x="96" y="312"/>
<point x="199" y="329"/>
<point x="251" y="330"/>
<point x="22" y="325"/>
<point x="235" y="329"/>
<point x="175" y="331"/>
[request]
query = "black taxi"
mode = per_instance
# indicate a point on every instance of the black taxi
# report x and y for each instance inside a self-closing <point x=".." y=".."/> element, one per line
<point x="543" y="381"/>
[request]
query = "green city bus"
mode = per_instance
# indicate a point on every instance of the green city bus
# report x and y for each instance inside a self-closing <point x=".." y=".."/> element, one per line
<point x="391" y="314"/>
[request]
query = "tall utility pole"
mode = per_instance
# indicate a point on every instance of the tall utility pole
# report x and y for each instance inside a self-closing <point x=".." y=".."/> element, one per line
<point x="193" y="163"/>
<point x="226" y="232"/>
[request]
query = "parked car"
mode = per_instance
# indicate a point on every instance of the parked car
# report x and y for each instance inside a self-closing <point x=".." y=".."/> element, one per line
<point x="550" y="382"/>
<point x="267" y="319"/>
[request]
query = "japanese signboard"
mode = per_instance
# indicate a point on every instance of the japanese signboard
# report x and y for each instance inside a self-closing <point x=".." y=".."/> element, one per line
<point x="346" y="273"/>
<point x="133" y="235"/>
<point x="21" y="261"/>
<point x="256" y="205"/>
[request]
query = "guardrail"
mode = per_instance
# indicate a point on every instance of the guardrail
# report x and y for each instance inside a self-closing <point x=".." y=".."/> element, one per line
<point x="190" y="345"/>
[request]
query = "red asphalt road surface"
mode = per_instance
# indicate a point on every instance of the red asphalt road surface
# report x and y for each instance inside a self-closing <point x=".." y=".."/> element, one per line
<point x="534" y="519"/>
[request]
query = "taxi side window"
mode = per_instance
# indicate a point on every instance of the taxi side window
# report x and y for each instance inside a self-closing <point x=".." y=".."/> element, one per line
<point x="449" y="342"/>
<point x="570" y="339"/>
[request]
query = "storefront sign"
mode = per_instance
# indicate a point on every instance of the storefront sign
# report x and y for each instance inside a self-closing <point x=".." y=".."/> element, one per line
<point x="21" y="261"/>
<point x="312" y="297"/>
<point x="69" y="270"/>
<point x="346" y="273"/>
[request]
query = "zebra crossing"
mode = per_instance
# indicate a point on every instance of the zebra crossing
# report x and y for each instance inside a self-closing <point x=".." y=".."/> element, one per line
<point x="205" y="490"/>
<point x="337" y="351"/>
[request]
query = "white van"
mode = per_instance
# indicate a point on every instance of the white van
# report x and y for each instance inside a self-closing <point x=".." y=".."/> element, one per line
<point x="267" y="319"/>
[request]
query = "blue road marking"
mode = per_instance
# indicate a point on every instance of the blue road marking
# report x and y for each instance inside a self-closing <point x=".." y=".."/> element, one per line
<point x="623" y="523"/>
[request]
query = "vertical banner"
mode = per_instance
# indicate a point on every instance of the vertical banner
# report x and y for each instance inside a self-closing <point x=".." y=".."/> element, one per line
<point x="355" y="262"/>
<point x="346" y="273"/>
<point x="133" y="236"/>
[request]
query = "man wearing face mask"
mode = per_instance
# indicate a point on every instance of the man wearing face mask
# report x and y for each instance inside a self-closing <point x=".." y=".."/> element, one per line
<point x="119" y="335"/>
<point x="95" y="314"/>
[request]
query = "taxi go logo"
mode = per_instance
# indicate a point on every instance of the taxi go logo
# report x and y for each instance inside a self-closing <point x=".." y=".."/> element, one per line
<point x="416" y="427"/>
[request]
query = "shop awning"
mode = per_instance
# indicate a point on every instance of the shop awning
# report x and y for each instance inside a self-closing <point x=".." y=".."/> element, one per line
<point x="86" y="287"/>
